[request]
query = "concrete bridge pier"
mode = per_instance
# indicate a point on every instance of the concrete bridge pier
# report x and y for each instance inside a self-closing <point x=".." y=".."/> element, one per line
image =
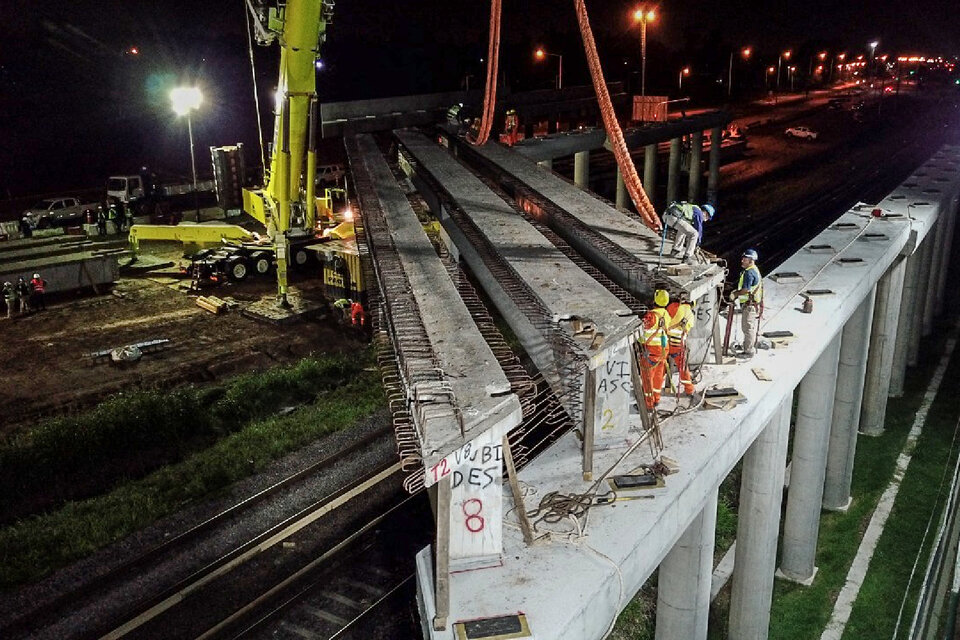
<point x="926" y="259"/>
<point x="673" y="171"/>
<point x="621" y="201"/>
<point x="696" y="157"/>
<point x="883" y="338"/>
<point x="713" y="178"/>
<point x="936" y="236"/>
<point x="683" y="586"/>
<point x="808" y="465"/>
<point x="581" y="169"/>
<point x="905" y="325"/>
<point x="950" y="219"/>
<point x="761" y="494"/>
<point x="851" y="371"/>
<point x="650" y="171"/>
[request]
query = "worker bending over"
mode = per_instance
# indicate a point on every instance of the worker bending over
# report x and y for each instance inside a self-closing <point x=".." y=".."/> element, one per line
<point x="687" y="220"/>
<point x="681" y="323"/>
<point x="653" y="349"/>
<point x="749" y="294"/>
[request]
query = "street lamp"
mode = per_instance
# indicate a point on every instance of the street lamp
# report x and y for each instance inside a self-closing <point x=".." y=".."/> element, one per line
<point x="790" y="71"/>
<point x="643" y="16"/>
<point x="683" y="72"/>
<point x="840" y="57"/>
<point x="184" y="101"/>
<point x="541" y="54"/>
<point x="873" y="51"/>
<point x="785" y="55"/>
<point x="745" y="54"/>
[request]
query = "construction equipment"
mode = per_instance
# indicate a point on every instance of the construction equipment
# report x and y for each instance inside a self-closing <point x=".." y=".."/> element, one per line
<point x="286" y="204"/>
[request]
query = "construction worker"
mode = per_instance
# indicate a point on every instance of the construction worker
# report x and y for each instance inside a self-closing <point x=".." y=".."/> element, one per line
<point x="687" y="220"/>
<point x="23" y="295"/>
<point x="682" y="320"/>
<point x="113" y="216"/>
<point x="653" y="345"/>
<point x="101" y="220"/>
<point x="9" y="297"/>
<point x="749" y="293"/>
<point x="39" y="285"/>
<point x="358" y="317"/>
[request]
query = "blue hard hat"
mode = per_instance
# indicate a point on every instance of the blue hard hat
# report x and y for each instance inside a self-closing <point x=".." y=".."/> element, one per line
<point x="750" y="253"/>
<point x="711" y="211"/>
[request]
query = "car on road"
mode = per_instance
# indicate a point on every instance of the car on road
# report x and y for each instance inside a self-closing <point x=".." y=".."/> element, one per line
<point x="804" y="133"/>
<point x="54" y="212"/>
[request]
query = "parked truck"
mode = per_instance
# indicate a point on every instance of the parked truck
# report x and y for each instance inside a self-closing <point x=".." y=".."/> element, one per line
<point x="146" y="196"/>
<point x="56" y="212"/>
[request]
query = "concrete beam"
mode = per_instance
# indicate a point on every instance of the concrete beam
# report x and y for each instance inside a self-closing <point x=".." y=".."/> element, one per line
<point x="808" y="466"/>
<point x="673" y="171"/>
<point x="696" y="171"/>
<point x="761" y="494"/>
<point x="851" y="370"/>
<point x="883" y="338"/>
<point x="546" y="164"/>
<point x="683" y="585"/>
<point x="905" y="325"/>
<point x="581" y="169"/>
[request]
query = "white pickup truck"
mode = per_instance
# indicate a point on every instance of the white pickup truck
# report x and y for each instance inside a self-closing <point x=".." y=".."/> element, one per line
<point x="54" y="212"/>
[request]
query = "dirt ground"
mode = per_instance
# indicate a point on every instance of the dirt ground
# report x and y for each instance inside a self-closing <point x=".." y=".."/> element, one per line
<point x="46" y="371"/>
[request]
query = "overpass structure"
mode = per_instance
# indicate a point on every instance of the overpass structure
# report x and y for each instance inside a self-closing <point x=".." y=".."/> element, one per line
<point x="877" y="277"/>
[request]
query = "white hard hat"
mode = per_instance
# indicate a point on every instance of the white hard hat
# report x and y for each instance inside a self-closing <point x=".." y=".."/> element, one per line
<point x="36" y="275"/>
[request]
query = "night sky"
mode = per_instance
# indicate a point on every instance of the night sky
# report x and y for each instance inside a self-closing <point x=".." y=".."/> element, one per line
<point x="74" y="107"/>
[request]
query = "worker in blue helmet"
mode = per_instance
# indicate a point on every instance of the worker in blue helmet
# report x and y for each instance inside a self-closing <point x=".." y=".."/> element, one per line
<point x="749" y="293"/>
<point x="687" y="220"/>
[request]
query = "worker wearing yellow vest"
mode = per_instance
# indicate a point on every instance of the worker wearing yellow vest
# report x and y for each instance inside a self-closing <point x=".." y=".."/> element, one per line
<point x="681" y="322"/>
<point x="749" y="294"/>
<point x="653" y="342"/>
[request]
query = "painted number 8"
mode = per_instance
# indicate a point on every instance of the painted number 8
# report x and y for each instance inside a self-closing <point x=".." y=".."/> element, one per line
<point x="474" y="520"/>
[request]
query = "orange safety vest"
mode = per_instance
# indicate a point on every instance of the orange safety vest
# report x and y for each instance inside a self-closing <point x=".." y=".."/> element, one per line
<point x="37" y="284"/>
<point x="655" y="323"/>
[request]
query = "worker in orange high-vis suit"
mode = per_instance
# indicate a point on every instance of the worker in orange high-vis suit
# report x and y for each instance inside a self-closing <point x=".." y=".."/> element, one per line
<point x="681" y="322"/>
<point x="653" y="343"/>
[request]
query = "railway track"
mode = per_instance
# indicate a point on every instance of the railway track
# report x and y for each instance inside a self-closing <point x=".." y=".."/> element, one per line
<point x="146" y="580"/>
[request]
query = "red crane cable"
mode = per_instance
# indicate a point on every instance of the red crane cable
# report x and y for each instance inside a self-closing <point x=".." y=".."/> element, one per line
<point x="612" y="126"/>
<point x="490" y="91"/>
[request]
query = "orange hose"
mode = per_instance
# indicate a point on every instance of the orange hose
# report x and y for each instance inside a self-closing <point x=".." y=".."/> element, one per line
<point x="490" y="91"/>
<point x="612" y="126"/>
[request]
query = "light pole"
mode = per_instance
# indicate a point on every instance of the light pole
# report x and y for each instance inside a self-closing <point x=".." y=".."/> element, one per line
<point x="541" y="54"/>
<point x="683" y="72"/>
<point x="745" y="53"/>
<point x="643" y="16"/>
<point x="785" y="54"/>
<point x="185" y="100"/>
<point x="790" y="72"/>
<point x="873" y="51"/>
<point x="840" y="57"/>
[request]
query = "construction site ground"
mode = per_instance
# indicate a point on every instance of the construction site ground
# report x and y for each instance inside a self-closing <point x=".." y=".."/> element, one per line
<point x="47" y="372"/>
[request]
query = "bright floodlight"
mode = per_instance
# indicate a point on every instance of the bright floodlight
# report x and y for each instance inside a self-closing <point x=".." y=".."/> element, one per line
<point x="874" y="44"/>
<point x="540" y="53"/>
<point x="185" y="100"/>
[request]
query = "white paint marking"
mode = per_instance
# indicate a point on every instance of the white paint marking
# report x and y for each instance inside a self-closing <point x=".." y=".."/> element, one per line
<point x="858" y="570"/>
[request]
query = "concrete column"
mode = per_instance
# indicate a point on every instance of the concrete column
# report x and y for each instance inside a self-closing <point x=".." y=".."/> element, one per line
<point x="650" y="171"/>
<point x="761" y="493"/>
<point x="621" y="191"/>
<point x="949" y="226"/>
<point x="683" y="585"/>
<point x="913" y="349"/>
<point x="713" y="179"/>
<point x="581" y="169"/>
<point x="883" y="339"/>
<point x="546" y="164"/>
<point x="851" y="370"/>
<point x="898" y="372"/>
<point x="929" y="302"/>
<point x="696" y="154"/>
<point x="673" y="171"/>
<point x="808" y="467"/>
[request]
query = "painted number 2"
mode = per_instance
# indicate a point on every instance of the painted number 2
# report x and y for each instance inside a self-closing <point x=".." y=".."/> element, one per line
<point x="474" y="521"/>
<point x="607" y="417"/>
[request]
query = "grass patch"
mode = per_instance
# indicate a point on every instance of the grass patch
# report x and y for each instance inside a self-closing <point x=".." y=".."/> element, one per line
<point x="33" y="548"/>
<point x="636" y="621"/>
<point x="132" y="434"/>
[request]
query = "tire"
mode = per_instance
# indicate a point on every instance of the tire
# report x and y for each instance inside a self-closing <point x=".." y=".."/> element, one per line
<point x="238" y="270"/>
<point x="300" y="258"/>
<point x="261" y="264"/>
